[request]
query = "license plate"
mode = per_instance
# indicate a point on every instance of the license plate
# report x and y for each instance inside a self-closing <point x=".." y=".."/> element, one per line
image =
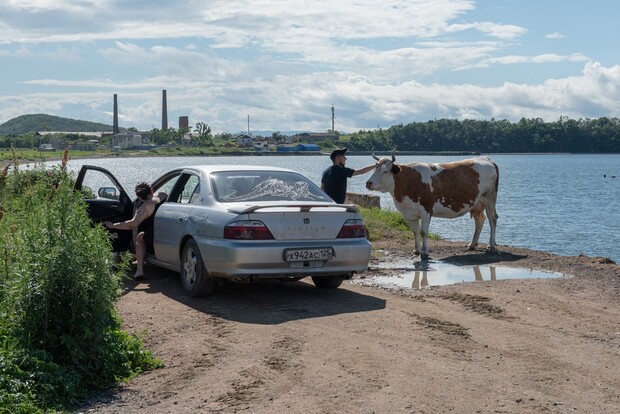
<point x="303" y="255"/>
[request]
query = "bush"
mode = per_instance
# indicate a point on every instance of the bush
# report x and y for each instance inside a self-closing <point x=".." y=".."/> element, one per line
<point x="61" y="334"/>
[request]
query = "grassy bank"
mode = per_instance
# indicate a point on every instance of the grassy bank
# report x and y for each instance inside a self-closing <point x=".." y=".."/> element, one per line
<point x="387" y="225"/>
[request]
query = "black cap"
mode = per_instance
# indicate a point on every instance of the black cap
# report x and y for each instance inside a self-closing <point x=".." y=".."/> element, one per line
<point x="337" y="152"/>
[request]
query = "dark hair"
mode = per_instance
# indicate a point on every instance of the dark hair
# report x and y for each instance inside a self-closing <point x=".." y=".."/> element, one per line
<point x="143" y="190"/>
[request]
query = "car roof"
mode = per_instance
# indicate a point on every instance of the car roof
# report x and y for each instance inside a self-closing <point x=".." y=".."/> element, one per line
<point x="222" y="167"/>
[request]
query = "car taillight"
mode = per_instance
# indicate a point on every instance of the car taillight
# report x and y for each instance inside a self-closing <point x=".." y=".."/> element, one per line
<point x="352" y="229"/>
<point x="247" y="230"/>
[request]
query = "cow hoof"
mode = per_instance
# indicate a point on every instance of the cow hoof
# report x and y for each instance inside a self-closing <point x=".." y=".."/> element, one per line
<point x="424" y="256"/>
<point x="416" y="252"/>
<point x="491" y="250"/>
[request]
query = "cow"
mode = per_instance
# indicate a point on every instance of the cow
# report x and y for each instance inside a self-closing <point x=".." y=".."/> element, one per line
<point x="448" y="190"/>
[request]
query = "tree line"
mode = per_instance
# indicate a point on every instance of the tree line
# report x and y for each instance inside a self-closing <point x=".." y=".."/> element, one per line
<point x="600" y="135"/>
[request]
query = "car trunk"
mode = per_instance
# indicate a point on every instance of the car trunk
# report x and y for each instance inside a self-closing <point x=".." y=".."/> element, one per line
<point x="318" y="222"/>
<point x="304" y="226"/>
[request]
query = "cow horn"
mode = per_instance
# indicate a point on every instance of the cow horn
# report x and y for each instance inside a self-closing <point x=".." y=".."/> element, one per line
<point x="374" y="156"/>
<point x="393" y="157"/>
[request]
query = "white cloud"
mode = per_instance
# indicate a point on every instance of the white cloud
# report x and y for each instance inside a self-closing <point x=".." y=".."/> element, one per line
<point x="555" y="35"/>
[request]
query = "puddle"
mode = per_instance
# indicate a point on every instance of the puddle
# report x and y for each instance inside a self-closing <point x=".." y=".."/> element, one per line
<point x="424" y="274"/>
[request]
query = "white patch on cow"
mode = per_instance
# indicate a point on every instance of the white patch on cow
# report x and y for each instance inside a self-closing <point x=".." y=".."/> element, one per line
<point x="428" y="173"/>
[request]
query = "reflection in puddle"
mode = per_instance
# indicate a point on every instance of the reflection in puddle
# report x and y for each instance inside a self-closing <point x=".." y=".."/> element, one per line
<point x="424" y="274"/>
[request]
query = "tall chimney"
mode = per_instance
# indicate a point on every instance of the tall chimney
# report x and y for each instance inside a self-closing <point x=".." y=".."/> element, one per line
<point x="333" y="118"/>
<point x="164" y="112"/>
<point x="115" y="120"/>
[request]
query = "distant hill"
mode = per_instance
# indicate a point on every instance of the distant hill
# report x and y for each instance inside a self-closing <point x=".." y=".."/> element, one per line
<point x="42" y="122"/>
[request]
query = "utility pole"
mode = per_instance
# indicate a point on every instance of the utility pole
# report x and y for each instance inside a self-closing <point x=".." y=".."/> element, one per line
<point x="115" y="129"/>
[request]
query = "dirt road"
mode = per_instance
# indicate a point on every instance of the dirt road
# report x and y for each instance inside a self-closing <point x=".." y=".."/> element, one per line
<point x="516" y="346"/>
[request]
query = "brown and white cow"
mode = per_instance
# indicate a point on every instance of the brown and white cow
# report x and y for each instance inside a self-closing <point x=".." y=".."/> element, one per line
<point x="422" y="191"/>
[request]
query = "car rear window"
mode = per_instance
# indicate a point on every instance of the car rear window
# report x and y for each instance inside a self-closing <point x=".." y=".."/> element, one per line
<point x="238" y="186"/>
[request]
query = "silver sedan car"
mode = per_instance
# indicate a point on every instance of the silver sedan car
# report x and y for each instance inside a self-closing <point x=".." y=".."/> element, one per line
<point x="242" y="224"/>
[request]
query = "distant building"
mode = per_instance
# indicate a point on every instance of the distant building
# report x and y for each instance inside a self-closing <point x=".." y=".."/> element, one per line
<point x="261" y="146"/>
<point x="184" y="122"/>
<point x="308" y="147"/>
<point x="126" y="140"/>
<point x="244" y="140"/>
<point x="82" y="146"/>
<point x="299" y="148"/>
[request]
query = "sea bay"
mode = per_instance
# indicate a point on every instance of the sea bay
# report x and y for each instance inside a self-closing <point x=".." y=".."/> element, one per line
<point x="559" y="203"/>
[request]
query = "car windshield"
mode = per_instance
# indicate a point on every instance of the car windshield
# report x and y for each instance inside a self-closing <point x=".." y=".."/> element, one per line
<point x="238" y="186"/>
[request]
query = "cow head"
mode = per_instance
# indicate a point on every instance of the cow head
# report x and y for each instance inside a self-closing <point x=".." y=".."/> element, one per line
<point x="383" y="178"/>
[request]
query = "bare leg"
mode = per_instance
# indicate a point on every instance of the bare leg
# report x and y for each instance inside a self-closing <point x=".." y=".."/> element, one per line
<point x="140" y="256"/>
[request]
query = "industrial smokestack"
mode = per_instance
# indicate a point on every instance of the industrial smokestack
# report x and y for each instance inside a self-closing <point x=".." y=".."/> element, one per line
<point x="115" y="129"/>
<point x="333" y="118"/>
<point x="164" y="112"/>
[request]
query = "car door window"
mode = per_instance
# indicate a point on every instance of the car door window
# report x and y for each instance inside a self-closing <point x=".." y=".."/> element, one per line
<point x="97" y="185"/>
<point x="167" y="186"/>
<point x="187" y="190"/>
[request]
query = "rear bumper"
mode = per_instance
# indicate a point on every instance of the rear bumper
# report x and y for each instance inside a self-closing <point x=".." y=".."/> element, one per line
<point x="265" y="259"/>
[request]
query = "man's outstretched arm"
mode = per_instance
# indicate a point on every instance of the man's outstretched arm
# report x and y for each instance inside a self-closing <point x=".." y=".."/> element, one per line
<point x="364" y="170"/>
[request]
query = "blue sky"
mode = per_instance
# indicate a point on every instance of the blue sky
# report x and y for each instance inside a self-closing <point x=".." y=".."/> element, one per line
<point x="284" y="63"/>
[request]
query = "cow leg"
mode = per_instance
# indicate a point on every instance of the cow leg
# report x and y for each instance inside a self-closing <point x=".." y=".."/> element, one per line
<point x="426" y="223"/>
<point x="477" y="213"/>
<point x="415" y="226"/>
<point x="492" y="214"/>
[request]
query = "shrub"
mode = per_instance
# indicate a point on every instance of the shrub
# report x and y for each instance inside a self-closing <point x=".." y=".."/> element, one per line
<point x="61" y="334"/>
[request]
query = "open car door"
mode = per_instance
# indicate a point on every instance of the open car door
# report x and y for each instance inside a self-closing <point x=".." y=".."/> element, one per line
<point x="107" y="201"/>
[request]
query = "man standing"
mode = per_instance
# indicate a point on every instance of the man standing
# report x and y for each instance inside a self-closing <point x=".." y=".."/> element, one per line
<point x="334" y="180"/>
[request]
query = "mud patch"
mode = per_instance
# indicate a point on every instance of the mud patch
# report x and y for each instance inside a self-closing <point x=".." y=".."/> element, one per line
<point x="445" y="327"/>
<point x="476" y="303"/>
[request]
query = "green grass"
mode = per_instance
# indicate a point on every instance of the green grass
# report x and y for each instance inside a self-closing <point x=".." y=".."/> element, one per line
<point x="388" y="225"/>
<point x="60" y="333"/>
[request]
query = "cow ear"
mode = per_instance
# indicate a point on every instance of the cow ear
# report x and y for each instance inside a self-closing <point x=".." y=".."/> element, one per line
<point x="396" y="169"/>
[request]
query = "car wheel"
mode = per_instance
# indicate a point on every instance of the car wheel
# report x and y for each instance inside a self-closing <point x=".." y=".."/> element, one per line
<point x="194" y="275"/>
<point x="327" y="282"/>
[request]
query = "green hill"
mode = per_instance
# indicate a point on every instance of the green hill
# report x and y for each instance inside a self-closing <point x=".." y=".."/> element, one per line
<point x="41" y="122"/>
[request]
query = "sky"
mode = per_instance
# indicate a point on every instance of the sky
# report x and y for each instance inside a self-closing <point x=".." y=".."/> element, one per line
<point x="280" y="65"/>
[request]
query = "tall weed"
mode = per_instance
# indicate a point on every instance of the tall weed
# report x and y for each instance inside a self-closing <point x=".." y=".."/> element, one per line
<point x="58" y="291"/>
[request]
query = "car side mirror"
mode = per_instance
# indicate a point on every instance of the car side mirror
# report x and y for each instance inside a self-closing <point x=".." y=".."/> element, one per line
<point x="108" y="192"/>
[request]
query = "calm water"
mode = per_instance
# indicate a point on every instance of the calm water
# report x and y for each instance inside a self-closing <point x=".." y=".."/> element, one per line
<point x="424" y="274"/>
<point x="555" y="203"/>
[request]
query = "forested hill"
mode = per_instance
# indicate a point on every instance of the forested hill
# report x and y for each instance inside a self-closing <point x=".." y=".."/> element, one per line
<point x="600" y="135"/>
<point x="41" y="122"/>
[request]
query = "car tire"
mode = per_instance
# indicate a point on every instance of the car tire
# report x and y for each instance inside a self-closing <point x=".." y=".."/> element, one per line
<point x="325" y="282"/>
<point x="194" y="275"/>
